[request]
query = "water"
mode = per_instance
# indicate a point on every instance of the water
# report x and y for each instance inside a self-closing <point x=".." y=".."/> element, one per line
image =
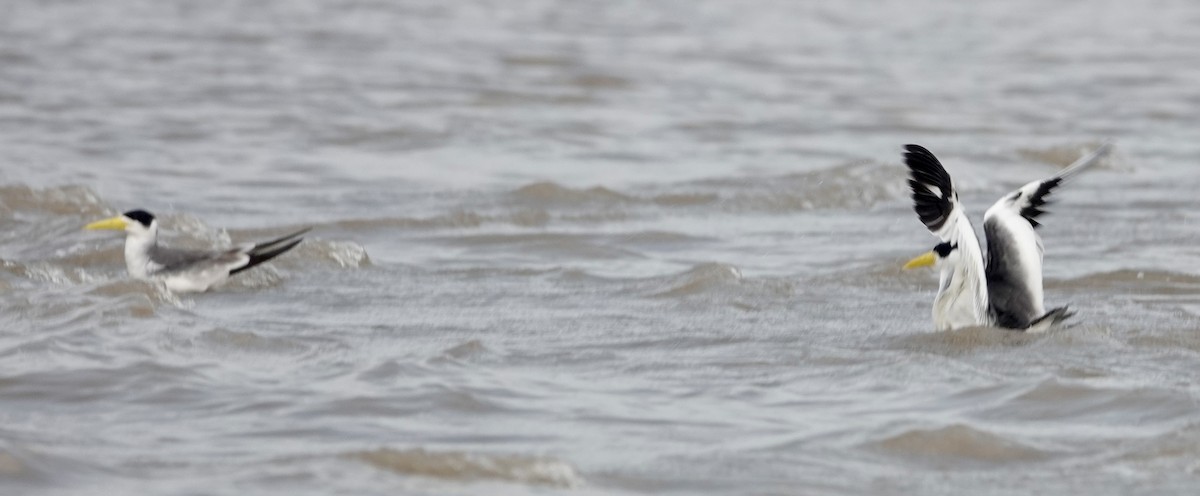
<point x="590" y="247"/>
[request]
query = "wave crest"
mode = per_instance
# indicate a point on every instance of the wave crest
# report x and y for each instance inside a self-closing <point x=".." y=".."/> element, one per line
<point x="957" y="445"/>
<point x="60" y="200"/>
<point x="1146" y="281"/>
<point x="461" y="466"/>
<point x="544" y="192"/>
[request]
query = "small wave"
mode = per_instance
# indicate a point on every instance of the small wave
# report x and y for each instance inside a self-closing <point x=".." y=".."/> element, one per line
<point x="490" y="272"/>
<point x="61" y="200"/>
<point x="686" y="199"/>
<point x="387" y="371"/>
<point x="546" y="192"/>
<point x="659" y="238"/>
<point x="90" y="256"/>
<point x="1183" y="339"/>
<point x="1178" y="445"/>
<point x="152" y="292"/>
<point x="718" y="282"/>
<point x="968" y="339"/>
<point x="260" y="277"/>
<point x="957" y="445"/>
<point x="82" y="268"/>
<point x="546" y="243"/>
<point x="465" y="350"/>
<point x="341" y="254"/>
<point x="1079" y="402"/>
<point x="470" y="467"/>
<point x="457" y="219"/>
<point x="845" y="186"/>
<point x="699" y="279"/>
<point x="126" y="382"/>
<point x="245" y="341"/>
<point x="1146" y="281"/>
<point x="885" y="274"/>
<point x="54" y="273"/>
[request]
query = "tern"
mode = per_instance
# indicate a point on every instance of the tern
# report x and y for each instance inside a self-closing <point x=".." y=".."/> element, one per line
<point x="186" y="271"/>
<point x="1005" y="289"/>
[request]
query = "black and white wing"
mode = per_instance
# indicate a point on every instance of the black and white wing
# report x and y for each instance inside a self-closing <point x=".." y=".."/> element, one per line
<point x="220" y="263"/>
<point x="1014" y="262"/>
<point x="267" y="250"/>
<point x="934" y="197"/>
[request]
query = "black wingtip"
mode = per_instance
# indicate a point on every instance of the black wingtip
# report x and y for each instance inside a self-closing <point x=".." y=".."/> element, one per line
<point x="925" y="166"/>
<point x="925" y="172"/>
<point x="270" y="245"/>
<point x="270" y="249"/>
<point x="1033" y="208"/>
<point x="257" y="257"/>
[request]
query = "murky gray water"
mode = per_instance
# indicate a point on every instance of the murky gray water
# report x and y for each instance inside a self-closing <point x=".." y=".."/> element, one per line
<point x="590" y="247"/>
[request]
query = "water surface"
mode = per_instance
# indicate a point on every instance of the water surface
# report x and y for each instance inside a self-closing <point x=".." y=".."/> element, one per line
<point x="590" y="247"/>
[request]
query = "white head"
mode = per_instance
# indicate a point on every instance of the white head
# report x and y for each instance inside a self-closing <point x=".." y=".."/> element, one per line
<point x="945" y="256"/>
<point x="141" y="236"/>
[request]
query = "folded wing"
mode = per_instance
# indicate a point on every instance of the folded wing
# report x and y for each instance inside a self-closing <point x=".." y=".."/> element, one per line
<point x="222" y="263"/>
<point x="264" y="251"/>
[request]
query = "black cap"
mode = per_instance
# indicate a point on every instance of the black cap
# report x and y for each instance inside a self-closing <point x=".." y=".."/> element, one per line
<point x="143" y="217"/>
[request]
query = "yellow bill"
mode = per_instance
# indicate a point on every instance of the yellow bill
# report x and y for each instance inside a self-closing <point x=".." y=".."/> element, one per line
<point x="926" y="260"/>
<point x="111" y="224"/>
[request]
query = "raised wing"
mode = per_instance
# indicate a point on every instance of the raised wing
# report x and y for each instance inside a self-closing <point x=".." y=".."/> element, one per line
<point x="1014" y="262"/>
<point x="1030" y="198"/>
<point x="934" y="197"/>
<point x="933" y="193"/>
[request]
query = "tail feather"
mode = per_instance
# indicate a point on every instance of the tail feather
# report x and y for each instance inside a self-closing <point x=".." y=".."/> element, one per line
<point x="267" y="250"/>
<point x="1051" y="319"/>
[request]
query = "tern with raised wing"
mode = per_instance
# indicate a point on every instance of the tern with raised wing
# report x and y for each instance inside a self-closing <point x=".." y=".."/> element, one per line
<point x="1005" y="289"/>
<point x="186" y="270"/>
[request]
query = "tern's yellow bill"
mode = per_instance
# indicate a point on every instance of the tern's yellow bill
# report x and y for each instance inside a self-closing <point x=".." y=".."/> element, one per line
<point x="926" y="260"/>
<point x="117" y="223"/>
